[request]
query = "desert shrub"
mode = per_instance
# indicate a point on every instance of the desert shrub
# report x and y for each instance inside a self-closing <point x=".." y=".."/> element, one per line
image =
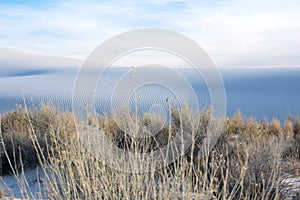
<point x="288" y="129"/>
<point x="244" y="163"/>
<point x="16" y="138"/>
<point x="297" y="126"/>
<point x="293" y="150"/>
<point x="235" y="123"/>
<point x="246" y="166"/>
<point x="275" y="127"/>
<point x="23" y="129"/>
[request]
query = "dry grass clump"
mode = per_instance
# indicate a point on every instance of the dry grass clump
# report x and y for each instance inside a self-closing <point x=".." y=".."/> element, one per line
<point x="297" y="126"/>
<point x="244" y="163"/>
<point x="18" y="128"/>
<point x="275" y="127"/>
<point x="288" y="128"/>
<point x="292" y="152"/>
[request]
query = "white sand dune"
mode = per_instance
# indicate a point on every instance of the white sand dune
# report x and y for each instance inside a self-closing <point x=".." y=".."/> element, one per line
<point x="37" y="78"/>
<point x="14" y="62"/>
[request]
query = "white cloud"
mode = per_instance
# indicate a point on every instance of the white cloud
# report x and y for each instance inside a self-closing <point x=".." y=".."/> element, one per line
<point x="234" y="33"/>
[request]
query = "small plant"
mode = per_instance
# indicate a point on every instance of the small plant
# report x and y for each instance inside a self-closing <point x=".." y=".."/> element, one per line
<point x="297" y="126"/>
<point x="288" y="129"/>
<point x="275" y="127"/>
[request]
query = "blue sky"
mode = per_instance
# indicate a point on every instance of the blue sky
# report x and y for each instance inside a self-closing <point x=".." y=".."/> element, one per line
<point x="234" y="33"/>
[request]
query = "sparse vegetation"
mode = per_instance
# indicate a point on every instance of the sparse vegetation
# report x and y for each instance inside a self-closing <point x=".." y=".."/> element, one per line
<point x="248" y="161"/>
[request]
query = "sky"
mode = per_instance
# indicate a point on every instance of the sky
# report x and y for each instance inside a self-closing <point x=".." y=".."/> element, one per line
<point x="234" y="33"/>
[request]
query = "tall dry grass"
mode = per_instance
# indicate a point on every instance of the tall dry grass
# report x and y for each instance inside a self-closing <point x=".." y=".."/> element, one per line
<point x="246" y="162"/>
